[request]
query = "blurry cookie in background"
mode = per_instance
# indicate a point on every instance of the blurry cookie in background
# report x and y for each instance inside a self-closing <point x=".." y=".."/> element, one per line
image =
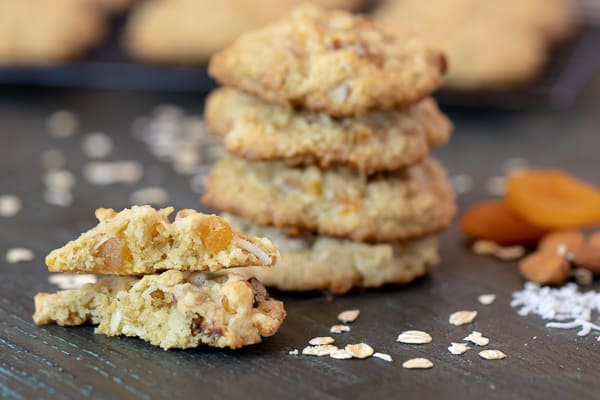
<point x="489" y="44"/>
<point x="37" y="32"/>
<point x="190" y="31"/>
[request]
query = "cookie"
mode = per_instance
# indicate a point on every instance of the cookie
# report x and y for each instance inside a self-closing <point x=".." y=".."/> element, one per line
<point x="325" y="263"/>
<point x="36" y="32"/>
<point x="500" y="44"/>
<point x="172" y="310"/>
<point x="378" y="141"/>
<point x="190" y="31"/>
<point x="142" y="240"/>
<point x="330" y="61"/>
<point x="337" y="202"/>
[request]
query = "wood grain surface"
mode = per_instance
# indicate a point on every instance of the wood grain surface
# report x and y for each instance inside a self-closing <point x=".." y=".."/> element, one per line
<point x="56" y="362"/>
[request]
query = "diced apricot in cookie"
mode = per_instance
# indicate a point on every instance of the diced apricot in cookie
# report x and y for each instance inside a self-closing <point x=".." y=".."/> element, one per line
<point x="215" y="234"/>
<point x="552" y="199"/>
<point x="492" y="220"/>
<point x="545" y="268"/>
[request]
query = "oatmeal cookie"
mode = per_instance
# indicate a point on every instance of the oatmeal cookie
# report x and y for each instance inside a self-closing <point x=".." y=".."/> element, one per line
<point x="310" y="262"/>
<point x="190" y="31"/>
<point x="500" y="44"/>
<point x="330" y="61"/>
<point x="378" y="141"/>
<point x="142" y="240"/>
<point x="338" y="202"/>
<point x="42" y="32"/>
<point x="172" y="310"/>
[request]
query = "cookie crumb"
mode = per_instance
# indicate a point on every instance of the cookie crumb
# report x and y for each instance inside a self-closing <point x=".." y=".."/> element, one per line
<point x="19" y="254"/>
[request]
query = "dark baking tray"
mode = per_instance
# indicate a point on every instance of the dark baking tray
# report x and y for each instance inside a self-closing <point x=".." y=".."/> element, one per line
<point x="572" y="66"/>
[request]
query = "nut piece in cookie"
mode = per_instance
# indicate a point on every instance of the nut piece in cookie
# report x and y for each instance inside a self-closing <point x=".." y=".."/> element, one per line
<point x="172" y="310"/>
<point x="399" y="205"/>
<point x="142" y="240"/>
<point x="310" y="262"/>
<point x="331" y="61"/>
<point x="379" y="141"/>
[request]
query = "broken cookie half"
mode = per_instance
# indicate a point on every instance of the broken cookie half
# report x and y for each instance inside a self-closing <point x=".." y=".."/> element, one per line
<point x="173" y="309"/>
<point x="142" y="240"/>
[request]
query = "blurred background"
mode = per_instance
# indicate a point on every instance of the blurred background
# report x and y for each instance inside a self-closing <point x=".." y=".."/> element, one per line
<point x="502" y="53"/>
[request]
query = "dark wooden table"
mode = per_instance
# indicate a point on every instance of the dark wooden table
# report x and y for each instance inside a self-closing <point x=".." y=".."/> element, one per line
<point x="55" y="362"/>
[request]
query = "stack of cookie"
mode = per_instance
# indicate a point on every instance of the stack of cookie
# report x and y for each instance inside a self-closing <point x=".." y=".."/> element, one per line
<point x="328" y="125"/>
<point x="159" y="288"/>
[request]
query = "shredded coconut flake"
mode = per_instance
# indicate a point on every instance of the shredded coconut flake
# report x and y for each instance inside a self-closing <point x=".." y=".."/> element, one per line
<point x="246" y="245"/>
<point x="565" y="307"/>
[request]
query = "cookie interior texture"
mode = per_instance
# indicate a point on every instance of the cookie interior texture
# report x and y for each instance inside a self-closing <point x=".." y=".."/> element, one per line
<point x="400" y="205"/>
<point x="330" y="61"/>
<point x="310" y="262"/>
<point x="143" y="240"/>
<point x="379" y="141"/>
<point x="172" y="310"/>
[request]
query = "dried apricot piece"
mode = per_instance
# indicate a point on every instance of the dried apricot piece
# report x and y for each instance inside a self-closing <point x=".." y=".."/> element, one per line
<point x="493" y="220"/>
<point x="552" y="199"/>
<point x="215" y="234"/>
<point x="545" y="268"/>
<point x="588" y="256"/>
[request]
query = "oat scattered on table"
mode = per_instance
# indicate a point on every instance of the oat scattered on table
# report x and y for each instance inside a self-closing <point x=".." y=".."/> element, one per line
<point x="97" y="145"/>
<point x="417" y="363"/>
<point x="59" y="180"/>
<point x="320" y="351"/>
<point x="360" y="350"/>
<point x="492" y="354"/>
<point x="153" y="195"/>
<point x="107" y="173"/>
<point x="62" y="124"/>
<point x="414" y="337"/>
<point x="458" y="348"/>
<point x="10" y="205"/>
<point x="462" y="317"/>
<point x="340" y="354"/>
<point x="321" y="340"/>
<point x="19" y="254"/>
<point x="509" y="253"/>
<point x="71" y="281"/>
<point x="339" y="329"/>
<point x="293" y="352"/>
<point x="484" y="247"/>
<point x="348" y="316"/>
<point x="496" y="185"/>
<point x="53" y="159"/>
<point x="477" y="338"/>
<point x="486" y="299"/>
<point x="383" y="356"/>
<point x="461" y="183"/>
<point x="58" y="197"/>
